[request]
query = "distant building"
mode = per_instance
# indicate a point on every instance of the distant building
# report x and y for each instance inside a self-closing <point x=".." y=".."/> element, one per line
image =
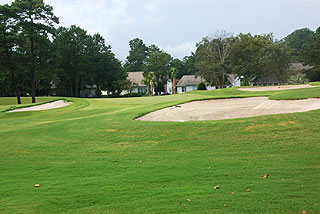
<point x="191" y="82"/>
<point x="272" y="79"/>
<point x="137" y="85"/>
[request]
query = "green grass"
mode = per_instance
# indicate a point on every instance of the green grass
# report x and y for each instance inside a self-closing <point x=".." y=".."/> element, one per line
<point x="92" y="157"/>
<point x="7" y="103"/>
<point x="314" y="83"/>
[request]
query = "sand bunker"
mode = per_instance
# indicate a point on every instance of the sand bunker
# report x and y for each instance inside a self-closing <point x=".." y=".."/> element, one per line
<point x="221" y="109"/>
<point x="47" y="106"/>
<point x="276" y="88"/>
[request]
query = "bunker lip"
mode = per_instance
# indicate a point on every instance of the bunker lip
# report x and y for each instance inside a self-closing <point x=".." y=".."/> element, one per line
<point x="222" y="109"/>
<point x="46" y="106"/>
<point x="275" y="88"/>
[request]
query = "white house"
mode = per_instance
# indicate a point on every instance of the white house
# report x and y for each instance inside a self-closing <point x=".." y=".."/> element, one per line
<point x="137" y="85"/>
<point x="191" y="82"/>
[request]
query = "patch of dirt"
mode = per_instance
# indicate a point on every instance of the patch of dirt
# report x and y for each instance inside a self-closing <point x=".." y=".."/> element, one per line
<point x="275" y="88"/>
<point x="221" y="109"/>
<point x="47" y="106"/>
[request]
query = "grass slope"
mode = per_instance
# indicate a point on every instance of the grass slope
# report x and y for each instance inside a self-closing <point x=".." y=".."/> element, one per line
<point x="91" y="157"/>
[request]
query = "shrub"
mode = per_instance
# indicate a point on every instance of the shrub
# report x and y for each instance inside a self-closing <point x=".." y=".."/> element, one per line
<point x="297" y="79"/>
<point x="202" y="86"/>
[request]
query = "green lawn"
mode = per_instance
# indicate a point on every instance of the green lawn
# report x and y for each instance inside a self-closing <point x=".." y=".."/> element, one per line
<point x="92" y="157"/>
<point x="11" y="102"/>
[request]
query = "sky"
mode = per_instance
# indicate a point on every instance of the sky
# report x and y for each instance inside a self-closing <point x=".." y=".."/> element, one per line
<point x="177" y="25"/>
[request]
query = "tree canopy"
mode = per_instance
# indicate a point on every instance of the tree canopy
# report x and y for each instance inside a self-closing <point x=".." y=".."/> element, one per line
<point x="158" y="62"/>
<point x="296" y="40"/>
<point x="37" y="58"/>
<point x="213" y="58"/>
<point x="137" y="55"/>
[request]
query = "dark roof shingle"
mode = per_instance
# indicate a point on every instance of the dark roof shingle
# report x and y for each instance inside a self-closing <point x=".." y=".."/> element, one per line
<point x="190" y="80"/>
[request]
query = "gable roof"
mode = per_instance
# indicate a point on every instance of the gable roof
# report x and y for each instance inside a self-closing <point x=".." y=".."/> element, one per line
<point x="299" y="67"/>
<point x="190" y="80"/>
<point x="136" y="78"/>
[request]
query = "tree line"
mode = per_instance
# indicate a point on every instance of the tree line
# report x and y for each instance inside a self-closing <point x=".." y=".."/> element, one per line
<point x="247" y="56"/>
<point x="37" y="57"/>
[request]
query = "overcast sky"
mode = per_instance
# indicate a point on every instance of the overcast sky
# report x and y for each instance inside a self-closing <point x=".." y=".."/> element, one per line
<point x="177" y="25"/>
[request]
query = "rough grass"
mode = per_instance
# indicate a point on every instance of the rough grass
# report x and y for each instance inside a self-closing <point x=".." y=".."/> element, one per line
<point x="92" y="157"/>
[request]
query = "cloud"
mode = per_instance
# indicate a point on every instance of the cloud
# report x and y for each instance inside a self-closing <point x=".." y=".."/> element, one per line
<point x="149" y="11"/>
<point x="181" y="50"/>
<point x="94" y="16"/>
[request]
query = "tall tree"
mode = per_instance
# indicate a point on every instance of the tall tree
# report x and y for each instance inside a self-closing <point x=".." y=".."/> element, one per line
<point x="137" y="55"/>
<point x="71" y="50"/>
<point x="296" y="40"/>
<point x="158" y="62"/>
<point x="311" y="51"/>
<point x="249" y="56"/>
<point x="278" y="60"/>
<point x="179" y="66"/>
<point x="173" y="76"/>
<point x="213" y="58"/>
<point x="311" y="55"/>
<point x="148" y="80"/>
<point x="189" y="64"/>
<point x="8" y="42"/>
<point x="83" y="60"/>
<point x="36" y="20"/>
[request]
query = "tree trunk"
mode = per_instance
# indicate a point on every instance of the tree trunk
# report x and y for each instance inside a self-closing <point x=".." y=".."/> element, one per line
<point x="15" y="85"/>
<point x="174" y="88"/>
<point x="71" y="91"/>
<point x="223" y="77"/>
<point x="77" y="88"/>
<point x="33" y="72"/>
<point x="219" y="84"/>
<point x="76" y="82"/>
<point x="13" y="77"/>
<point x="81" y="87"/>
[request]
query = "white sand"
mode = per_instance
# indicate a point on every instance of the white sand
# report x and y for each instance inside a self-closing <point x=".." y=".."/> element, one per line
<point x="276" y="88"/>
<point x="221" y="109"/>
<point x="47" y="106"/>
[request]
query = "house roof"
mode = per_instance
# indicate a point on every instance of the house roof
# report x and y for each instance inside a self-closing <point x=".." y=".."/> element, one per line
<point x="299" y="67"/>
<point x="136" y="78"/>
<point x="190" y="80"/>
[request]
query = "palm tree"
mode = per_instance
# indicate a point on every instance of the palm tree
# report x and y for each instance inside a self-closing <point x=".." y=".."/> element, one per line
<point x="173" y="75"/>
<point x="148" y="81"/>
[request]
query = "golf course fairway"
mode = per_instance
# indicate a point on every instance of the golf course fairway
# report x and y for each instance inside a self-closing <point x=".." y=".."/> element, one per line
<point x="94" y="157"/>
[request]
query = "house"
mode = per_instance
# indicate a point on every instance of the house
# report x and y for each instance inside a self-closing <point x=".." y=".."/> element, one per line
<point x="137" y="85"/>
<point x="272" y="79"/>
<point x="191" y="82"/>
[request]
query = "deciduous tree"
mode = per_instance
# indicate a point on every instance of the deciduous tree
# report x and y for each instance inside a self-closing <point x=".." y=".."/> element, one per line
<point x="249" y="56"/>
<point x="158" y="62"/>
<point x="296" y="40"/>
<point x="311" y="55"/>
<point x="213" y="57"/>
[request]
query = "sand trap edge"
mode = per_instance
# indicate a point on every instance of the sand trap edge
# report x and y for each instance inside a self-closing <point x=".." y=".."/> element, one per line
<point x="43" y="107"/>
